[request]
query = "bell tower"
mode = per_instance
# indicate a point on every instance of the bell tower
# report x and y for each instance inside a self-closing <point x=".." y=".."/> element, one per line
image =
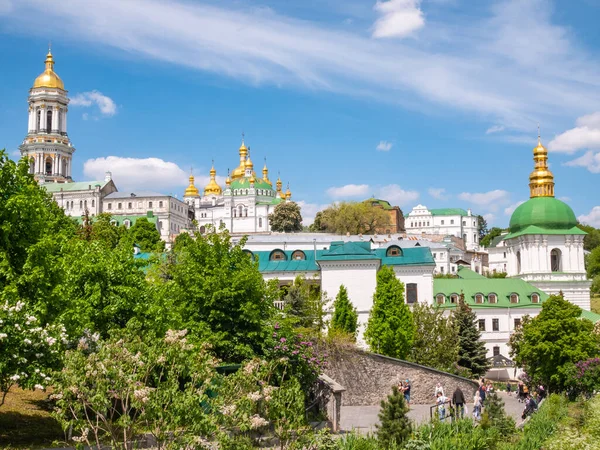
<point x="47" y="144"/>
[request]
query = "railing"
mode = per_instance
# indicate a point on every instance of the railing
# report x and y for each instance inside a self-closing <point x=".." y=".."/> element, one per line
<point x="279" y="304"/>
<point x="447" y="412"/>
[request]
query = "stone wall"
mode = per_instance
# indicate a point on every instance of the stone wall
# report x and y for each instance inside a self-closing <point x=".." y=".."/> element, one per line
<point x="368" y="378"/>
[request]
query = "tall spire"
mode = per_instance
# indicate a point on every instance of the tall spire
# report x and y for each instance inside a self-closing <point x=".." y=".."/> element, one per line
<point x="541" y="180"/>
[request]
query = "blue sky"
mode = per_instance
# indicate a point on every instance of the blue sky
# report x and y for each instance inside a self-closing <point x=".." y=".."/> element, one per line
<point x="432" y="101"/>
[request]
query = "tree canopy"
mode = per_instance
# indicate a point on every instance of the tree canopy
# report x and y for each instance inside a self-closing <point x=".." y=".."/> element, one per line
<point x="482" y="227"/>
<point x="145" y="234"/>
<point x="351" y="217"/>
<point x="345" y="317"/>
<point x="486" y="240"/>
<point x="592" y="239"/>
<point x="286" y="217"/>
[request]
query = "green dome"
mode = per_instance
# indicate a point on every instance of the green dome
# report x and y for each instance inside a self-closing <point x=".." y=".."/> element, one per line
<point x="546" y="213"/>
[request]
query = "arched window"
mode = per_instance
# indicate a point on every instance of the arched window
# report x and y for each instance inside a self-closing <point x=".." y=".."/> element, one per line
<point x="48" y="121"/>
<point x="149" y="204"/>
<point x="535" y="298"/>
<point x="93" y="203"/>
<point x="80" y="204"/>
<point x="202" y="229"/>
<point x="127" y="223"/>
<point x="440" y="298"/>
<point x="411" y="293"/>
<point x="260" y="222"/>
<point x="39" y="120"/>
<point x="72" y="204"/>
<point x="298" y="255"/>
<point x="245" y="212"/>
<point x="465" y="237"/>
<point x="277" y="255"/>
<point x="514" y="298"/>
<point x="235" y="213"/>
<point x="492" y="298"/>
<point x="555" y="260"/>
<point x="518" y="262"/>
<point x="48" y="166"/>
<point x="454" y="298"/>
<point x="160" y="204"/>
<point x="393" y="250"/>
<point x="479" y="298"/>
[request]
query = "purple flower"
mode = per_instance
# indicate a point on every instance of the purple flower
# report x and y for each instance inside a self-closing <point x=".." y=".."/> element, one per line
<point x="282" y="340"/>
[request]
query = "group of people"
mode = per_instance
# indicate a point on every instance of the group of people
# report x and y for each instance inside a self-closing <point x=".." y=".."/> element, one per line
<point x="530" y="399"/>
<point x="456" y="404"/>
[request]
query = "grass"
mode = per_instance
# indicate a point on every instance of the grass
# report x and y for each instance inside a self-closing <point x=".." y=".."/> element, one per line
<point x="25" y="421"/>
<point x="596" y="304"/>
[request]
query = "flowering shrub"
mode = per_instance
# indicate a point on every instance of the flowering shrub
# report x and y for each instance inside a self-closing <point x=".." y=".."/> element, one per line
<point x="586" y="378"/>
<point x="28" y="350"/>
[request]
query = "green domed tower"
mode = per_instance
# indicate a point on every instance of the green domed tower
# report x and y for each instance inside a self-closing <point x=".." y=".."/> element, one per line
<point x="545" y="246"/>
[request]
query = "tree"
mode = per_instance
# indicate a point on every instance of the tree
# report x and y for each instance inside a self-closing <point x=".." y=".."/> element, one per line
<point x="286" y="217"/>
<point x="482" y="227"/>
<point x="390" y="329"/>
<point x="304" y="304"/>
<point x="103" y="230"/>
<point x="552" y="342"/>
<point x="436" y="338"/>
<point x="592" y="239"/>
<point x="394" y="427"/>
<point x="495" y="416"/>
<point x="593" y="263"/>
<point x="353" y="218"/>
<point x="345" y="317"/>
<point x="486" y="240"/>
<point x="318" y="223"/>
<point x="145" y="234"/>
<point x="471" y="349"/>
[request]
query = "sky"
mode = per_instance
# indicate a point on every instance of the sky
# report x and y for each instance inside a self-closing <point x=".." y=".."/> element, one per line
<point x="433" y="102"/>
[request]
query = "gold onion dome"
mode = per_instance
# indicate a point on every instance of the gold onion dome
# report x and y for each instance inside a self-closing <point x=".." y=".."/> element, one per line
<point x="249" y="163"/>
<point x="288" y="193"/>
<point x="541" y="180"/>
<point x="48" y="78"/>
<point x="240" y="171"/>
<point x="228" y="180"/>
<point x="212" y="187"/>
<point x="191" y="190"/>
<point x="278" y="184"/>
<point x="265" y="173"/>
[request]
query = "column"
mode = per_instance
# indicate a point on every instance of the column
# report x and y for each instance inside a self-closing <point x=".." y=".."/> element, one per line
<point x="42" y="119"/>
<point x="55" y="113"/>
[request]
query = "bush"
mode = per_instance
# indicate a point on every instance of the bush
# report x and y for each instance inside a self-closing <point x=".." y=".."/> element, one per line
<point x="395" y="426"/>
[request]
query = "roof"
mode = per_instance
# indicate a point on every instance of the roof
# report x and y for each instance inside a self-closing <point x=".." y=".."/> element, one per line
<point x="448" y="212"/>
<point x="589" y="315"/>
<point x="137" y="194"/>
<point x="352" y="251"/>
<point x="382" y="203"/>
<point x="75" y="186"/>
<point x="288" y="265"/>
<point x="244" y="183"/>
<point x="495" y="241"/>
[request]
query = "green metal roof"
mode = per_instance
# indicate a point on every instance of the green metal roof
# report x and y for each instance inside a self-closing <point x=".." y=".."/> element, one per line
<point x="288" y="265"/>
<point x="383" y="203"/>
<point x="244" y="183"/>
<point x="274" y="201"/>
<point x="448" y="212"/>
<point x="78" y="186"/>
<point x="497" y="240"/>
<point x="589" y="315"/>
<point x="543" y="215"/>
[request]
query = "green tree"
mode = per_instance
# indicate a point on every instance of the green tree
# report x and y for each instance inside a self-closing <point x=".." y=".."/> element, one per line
<point x="103" y="230"/>
<point x="145" y="234"/>
<point x="486" y="240"/>
<point x="390" y="329"/>
<point x="394" y="425"/>
<point x="553" y="341"/>
<point x="494" y="415"/>
<point x="471" y="349"/>
<point x="353" y="218"/>
<point x="318" y="223"/>
<point x="592" y="239"/>
<point x="436" y="338"/>
<point x="482" y="227"/>
<point x="286" y="217"/>
<point x="593" y="263"/>
<point x="218" y="294"/>
<point x="304" y="304"/>
<point x="345" y="317"/>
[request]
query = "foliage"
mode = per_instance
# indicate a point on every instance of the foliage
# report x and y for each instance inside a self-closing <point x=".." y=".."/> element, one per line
<point x="436" y="338"/>
<point x="305" y="305"/>
<point x="390" y="329"/>
<point x="495" y="416"/>
<point x="471" y="349"/>
<point x="145" y="234"/>
<point x="592" y="239"/>
<point x="29" y="350"/>
<point x="218" y="294"/>
<point x="394" y="426"/>
<point x="286" y="217"/>
<point x="482" y="227"/>
<point x="130" y="387"/>
<point x="593" y="263"/>
<point x="103" y="230"/>
<point x="585" y="378"/>
<point x="495" y="274"/>
<point x="449" y="276"/>
<point x="345" y="317"/>
<point x="351" y="217"/>
<point x="552" y="342"/>
<point x="487" y="239"/>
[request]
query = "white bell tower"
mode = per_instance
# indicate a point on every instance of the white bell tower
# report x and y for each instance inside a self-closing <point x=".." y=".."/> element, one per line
<point x="47" y="144"/>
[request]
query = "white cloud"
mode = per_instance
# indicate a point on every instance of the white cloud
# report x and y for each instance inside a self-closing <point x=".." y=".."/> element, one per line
<point x="349" y="190"/>
<point x="591" y="120"/>
<point x="495" y="129"/>
<point x="489" y="218"/>
<point x="396" y="195"/>
<point x="511" y="209"/>
<point x="438" y="193"/>
<point x="589" y="160"/>
<point x="384" y="146"/>
<point x="592" y="218"/>
<point x="310" y="210"/>
<point x="399" y="18"/>
<point x="138" y="173"/>
<point x="564" y="198"/>
<point x="258" y="46"/>
<point x="490" y="201"/>
<point x="105" y="104"/>
<point x="585" y="135"/>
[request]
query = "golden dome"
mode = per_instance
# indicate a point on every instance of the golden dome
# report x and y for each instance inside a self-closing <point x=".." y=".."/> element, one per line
<point x="240" y="171"/>
<point x="228" y="180"/>
<point x="249" y="164"/>
<point x="265" y="173"/>
<point x="252" y="179"/>
<point x="48" y="78"/>
<point x="288" y="193"/>
<point x="541" y="180"/>
<point x="212" y="188"/>
<point x="278" y="184"/>
<point x="191" y="190"/>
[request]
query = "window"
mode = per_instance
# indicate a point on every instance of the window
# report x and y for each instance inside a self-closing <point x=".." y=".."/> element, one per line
<point x="555" y="260"/>
<point x="478" y="298"/>
<point x="160" y="204"/>
<point x="48" y="121"/>
<point x="48" y="166"/>
<point x="109" y="206"/>
<point x="464" y="223"/>
<point x="393" y="250"/>
<point x="474" y="237"/>
<point x="454" y="298"/>
<point x="465" y="237"/>
<point x="277" y="255"/>
<point x="298" y="255"/>
<point x="517" y="323"/>
<point x="504" y="255"/>
<point x="39" y="119"/>
<point x="434" y="255"/>
<point x="518" y="262"/>
<point x="442" y="222"/>
<point x="129" y="205"/>
<point x="442" y="269"/>
<point x="481" y="324"/>
<point x="440" y="298"/>
<point x="411" y="293"/>
<point x="120" y="206"/>
<point x="451" y="221"/>
<point x="496" y="351"/>
<point x="85" y="203"/>
<point x="492" y="298"/>
<point x="453" y="269"/>
<point x="535" y="298"/>
<point x="80" y="204"/>
<point x="495" y="324"/>
<point x="149" y="204"/>
<point x="93" y="203"/>
<point x="234" y="213"/>
<point x="514" y="298"/>
<point x="127" y="223"/>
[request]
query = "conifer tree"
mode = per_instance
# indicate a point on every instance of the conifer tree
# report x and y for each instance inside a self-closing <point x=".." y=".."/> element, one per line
<point x="390" y="330"/>
<point x="471" y="349"/>
<point x="495" y="416"/>
<point x="345" y="317"/>
<point x="394" y="427"/>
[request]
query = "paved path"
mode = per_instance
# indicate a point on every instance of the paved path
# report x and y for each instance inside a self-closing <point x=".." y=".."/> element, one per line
<point x="364" y="418"/>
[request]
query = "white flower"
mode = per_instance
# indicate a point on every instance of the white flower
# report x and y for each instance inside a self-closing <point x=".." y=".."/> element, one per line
<point x="15" y="377"/>
<point x="39" y="355"/>
<point x="39" y="386"/>
<point x="3" y="335"/>
<point x="256" y="422"/>
<point x="31" y="319"/>
<point x="17" y="326"/>
<point x="255" y="396"/>
<point x="27" y="341"/>
<point x="50" y="340"/>
<point x="228" y="409"/>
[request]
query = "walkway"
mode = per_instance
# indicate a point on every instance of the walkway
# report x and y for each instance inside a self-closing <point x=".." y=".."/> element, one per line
<point x="364" y="418"/>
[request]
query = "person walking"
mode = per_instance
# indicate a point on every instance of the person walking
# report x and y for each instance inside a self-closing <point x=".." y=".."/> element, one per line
<point x="477" y="406"/>
<point x="458" y="400"/>
<point x="508" y="387"/>
<point x="521" y="391"/>
<point x="439" y="390"/>
<point x="406" y="391"/>
<point x="441" y="404"/>
<point x="482" y="393"/>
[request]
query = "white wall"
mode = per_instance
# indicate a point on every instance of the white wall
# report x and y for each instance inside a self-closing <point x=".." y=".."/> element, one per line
<point x="422" y="276"/>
